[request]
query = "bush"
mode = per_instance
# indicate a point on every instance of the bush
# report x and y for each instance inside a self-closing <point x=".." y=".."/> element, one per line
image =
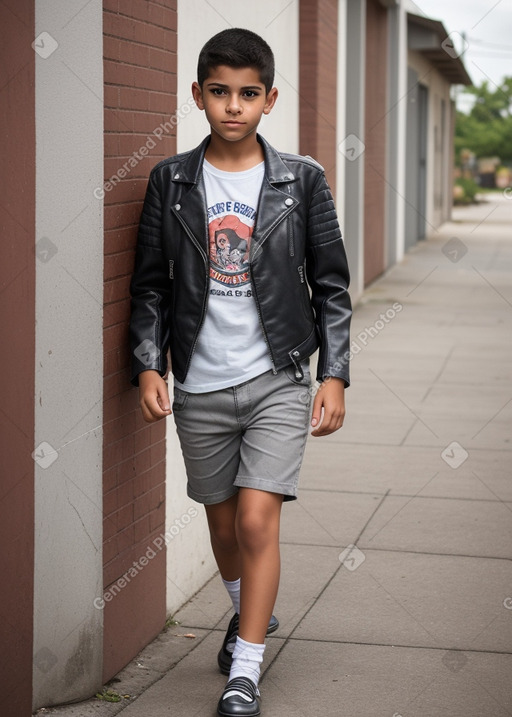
<point x="465" y="190"/>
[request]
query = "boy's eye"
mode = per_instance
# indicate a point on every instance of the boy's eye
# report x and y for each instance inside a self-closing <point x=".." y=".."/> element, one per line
<point x="250" y="93"/>
<point x="217" y="91"/>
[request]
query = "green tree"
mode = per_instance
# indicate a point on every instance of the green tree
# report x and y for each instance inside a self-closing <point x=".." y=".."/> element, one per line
<point x="487" y="129"/>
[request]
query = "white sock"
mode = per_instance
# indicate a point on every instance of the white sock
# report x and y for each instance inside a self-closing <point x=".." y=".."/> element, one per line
<point x="233" y="588"/>
<point x="247" y="658"/>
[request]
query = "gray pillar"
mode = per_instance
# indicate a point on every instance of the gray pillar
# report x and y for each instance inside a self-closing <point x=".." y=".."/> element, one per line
<point x="68" y="630"/>
<point x="397" y="63"/>
<point x="352" y="146"/>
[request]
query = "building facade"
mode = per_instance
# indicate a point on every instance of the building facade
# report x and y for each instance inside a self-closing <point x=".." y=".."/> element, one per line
<point x="100" y="542"/>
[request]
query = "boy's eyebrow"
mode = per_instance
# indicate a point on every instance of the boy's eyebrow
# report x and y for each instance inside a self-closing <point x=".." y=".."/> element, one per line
<point x="226" y="87"/>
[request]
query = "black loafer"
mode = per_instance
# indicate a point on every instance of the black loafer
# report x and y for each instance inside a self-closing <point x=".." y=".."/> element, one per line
<point x="225" y="656"/>
<point x="234" y="705"/>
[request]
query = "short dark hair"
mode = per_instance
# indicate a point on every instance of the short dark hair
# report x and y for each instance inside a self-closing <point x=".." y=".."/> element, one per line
<point x="236" y="47"/>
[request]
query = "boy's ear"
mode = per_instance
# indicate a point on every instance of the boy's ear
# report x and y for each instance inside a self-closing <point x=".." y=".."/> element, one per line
<point x="197" y="94"/>
<point x="270" y="100"/>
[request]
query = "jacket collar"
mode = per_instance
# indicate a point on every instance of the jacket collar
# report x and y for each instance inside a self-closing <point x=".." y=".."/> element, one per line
<point x="276" y="170"/>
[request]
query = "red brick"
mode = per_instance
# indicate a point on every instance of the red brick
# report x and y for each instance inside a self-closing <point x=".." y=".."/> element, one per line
<point x="115" y="290"/>
<point x="161" y="59"/>
<point x="109" y="479"/>
<point x="111" y="96"/>
<point x="126" y="190"/>
<point x="112" y="48"/>
<point x="115" y="336"/>
<point x="116" y="73"/>
<point x="111" y="144"/>
<point x="125" y="493"/>
<point x="162" y="102"/>
<point x="117" y="240"/>
<point x="116" y="383"/>
<point x="110" y="550"/>
<point x="157" y="518"/>
<point x="141" y="528"/>
<point x="122" y="215"/>
<point x="116" y="312"/>
<point x="131" y="53"/>
<point x="110" y="504"/>
<point x="153" y="80"/>
<point x="118" y="120"/>
<point x="114" y="361"/>
<point x="142" y="439"/>
<point x="140" y="94"/>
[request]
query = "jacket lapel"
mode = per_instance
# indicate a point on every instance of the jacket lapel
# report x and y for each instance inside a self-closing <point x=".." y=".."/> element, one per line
<point x="274" y="204"/>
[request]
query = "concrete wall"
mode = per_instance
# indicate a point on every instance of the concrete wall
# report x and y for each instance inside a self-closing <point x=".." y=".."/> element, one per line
<point x="190" y="561"/>
<point x="277" y="21"/>
<point x="68" y="381"/>
<point x="375" y="154"/>
<point x="397" y="118"/>
<point x="439" y="142"/>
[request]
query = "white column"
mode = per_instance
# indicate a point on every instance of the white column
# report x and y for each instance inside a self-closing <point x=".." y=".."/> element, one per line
<point x="341" y="103"/>
<point x="352" y="145"/>
<point x="397" y="118"/>
<point x="277" y="21"/>
<point x="68" y="637"/>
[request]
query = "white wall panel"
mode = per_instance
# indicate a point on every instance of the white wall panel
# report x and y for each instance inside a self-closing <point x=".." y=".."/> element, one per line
<point x="68" y="638"/>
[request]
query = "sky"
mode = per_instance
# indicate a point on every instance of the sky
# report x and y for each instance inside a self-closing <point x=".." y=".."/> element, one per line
<point x="487" y="27"/>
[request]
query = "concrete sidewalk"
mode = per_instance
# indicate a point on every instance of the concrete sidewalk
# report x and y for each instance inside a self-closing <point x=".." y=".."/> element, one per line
<point x="396" y="592"/>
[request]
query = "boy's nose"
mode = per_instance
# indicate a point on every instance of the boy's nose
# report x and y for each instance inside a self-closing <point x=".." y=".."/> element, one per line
<point x="233" y="106"/>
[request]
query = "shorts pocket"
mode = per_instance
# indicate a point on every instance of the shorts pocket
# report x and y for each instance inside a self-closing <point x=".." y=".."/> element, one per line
<point x="180" y="399"/>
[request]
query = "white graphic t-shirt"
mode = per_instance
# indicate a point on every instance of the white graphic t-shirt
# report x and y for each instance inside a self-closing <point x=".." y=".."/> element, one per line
<point x="231" y="348"/>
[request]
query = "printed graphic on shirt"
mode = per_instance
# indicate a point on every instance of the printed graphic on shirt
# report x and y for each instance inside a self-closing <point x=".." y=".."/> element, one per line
<point x="230" y="243"/>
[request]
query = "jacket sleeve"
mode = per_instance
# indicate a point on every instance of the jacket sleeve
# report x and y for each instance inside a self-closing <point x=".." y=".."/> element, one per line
<point x="150" y="292"/>
<point x="328" y="277"/>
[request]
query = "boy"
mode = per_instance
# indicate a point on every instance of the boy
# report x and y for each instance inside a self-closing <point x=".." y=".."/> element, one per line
<point x="240" y="327"/>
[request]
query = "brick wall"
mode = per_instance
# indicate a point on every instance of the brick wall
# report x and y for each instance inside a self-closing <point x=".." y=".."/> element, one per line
<point x="375" y="140"/>
<point x="318" y="26"/>
<point x="140" y="94"/>
<point x="17" y="359"/>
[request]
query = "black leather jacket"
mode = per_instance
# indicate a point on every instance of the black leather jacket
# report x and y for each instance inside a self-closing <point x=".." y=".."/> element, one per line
<point x="296" y="237"/>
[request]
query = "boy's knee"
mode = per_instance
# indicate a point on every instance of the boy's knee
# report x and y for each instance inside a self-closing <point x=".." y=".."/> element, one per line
<point x="224" y="536"/>
<point x="254" y="530"/>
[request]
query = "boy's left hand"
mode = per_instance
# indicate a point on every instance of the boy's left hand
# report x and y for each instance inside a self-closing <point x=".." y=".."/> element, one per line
<point x="331" y="397"/>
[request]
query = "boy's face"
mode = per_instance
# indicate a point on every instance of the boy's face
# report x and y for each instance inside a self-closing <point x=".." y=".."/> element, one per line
<point x="234" y="101"/>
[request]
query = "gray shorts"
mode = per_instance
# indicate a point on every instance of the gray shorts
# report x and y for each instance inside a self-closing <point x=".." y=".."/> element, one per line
<point x="251" y="435"/>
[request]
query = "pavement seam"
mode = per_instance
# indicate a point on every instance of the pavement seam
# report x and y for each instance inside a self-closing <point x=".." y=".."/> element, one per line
<point x="399" y="645"/>
<point x="317" y="598"/>
<point x="404" y="551"/>
<point x="416" y="495"/>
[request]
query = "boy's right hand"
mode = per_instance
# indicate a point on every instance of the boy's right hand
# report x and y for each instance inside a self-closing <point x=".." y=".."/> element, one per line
<point x="153" y="396"/>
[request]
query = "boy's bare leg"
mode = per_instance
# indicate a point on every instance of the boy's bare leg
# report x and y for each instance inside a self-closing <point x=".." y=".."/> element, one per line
<point x="258" y="516"/>
<point x="221" y="522"/>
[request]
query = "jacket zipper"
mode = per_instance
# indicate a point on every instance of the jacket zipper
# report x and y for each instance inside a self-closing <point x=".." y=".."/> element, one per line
<point x="256" y="301"/>
<point x="262" y="326"/>
<point x="207" y="282"/>
<point x="291" y="245"/>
